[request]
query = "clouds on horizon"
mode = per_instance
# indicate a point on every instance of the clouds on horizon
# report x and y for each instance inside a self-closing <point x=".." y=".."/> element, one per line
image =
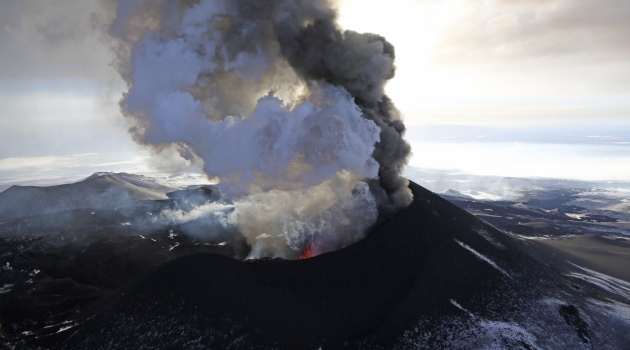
<point x="522" y="29"/>
<point x="566" y="39"/>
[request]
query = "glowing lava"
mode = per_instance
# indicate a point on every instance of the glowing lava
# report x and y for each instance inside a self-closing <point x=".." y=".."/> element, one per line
<point x="311" y="250"/>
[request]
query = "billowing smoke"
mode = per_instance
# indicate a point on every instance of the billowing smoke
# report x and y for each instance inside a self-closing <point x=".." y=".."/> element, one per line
<point x="279" y="104"/>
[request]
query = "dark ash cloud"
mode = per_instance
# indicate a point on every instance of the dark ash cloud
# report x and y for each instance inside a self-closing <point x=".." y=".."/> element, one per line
<point x="278" y="102"/>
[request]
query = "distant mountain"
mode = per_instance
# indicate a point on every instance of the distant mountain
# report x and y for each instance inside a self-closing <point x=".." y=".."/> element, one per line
<point x="433" y="277"/>
<point x="98" y="190"/>
<point x="450" y="193"/>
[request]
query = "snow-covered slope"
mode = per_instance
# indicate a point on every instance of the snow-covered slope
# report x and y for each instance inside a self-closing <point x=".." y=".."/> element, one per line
<point x="98" y="190"/>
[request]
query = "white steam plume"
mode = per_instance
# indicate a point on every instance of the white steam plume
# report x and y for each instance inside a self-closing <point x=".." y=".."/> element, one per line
<point x="279" y="223"/>
<point x="279" y="104"/>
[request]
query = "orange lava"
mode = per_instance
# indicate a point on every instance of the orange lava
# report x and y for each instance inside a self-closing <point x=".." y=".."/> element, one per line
<point x="310" y="251"/>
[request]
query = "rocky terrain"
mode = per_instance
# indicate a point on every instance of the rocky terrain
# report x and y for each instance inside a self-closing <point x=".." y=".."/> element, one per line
<point x="435" y="276"/>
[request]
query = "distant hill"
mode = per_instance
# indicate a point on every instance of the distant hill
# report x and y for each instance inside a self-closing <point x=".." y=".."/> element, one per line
<point x="98" y="190"/>
<point x="450" y="193"/>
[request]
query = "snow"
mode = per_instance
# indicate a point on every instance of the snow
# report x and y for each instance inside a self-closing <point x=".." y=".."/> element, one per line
<point x="479" y="195"/>
<point x="483" y="258"/>
<point x="540" y="326"/>
<point x="512" y="331"/>
<point x="457" y="305"/>
<point x="6" y="288"/>
<point x="574" y="216"/>
<point x="489" y="237"/>
<point x="65" y="328"/>
<point x="471" y="332"/>
<point x="608" y="283"/>
<point x="614" y="309"/>
<point x="182" y="180"/>
<point x="98" y="190"/>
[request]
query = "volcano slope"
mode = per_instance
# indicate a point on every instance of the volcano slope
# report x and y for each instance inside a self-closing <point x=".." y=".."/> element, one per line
<point x="97" y="190"/>
<point x="432" y="277"/>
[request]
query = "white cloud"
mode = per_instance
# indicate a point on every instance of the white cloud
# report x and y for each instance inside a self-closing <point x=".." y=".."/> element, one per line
<point x="8" y="164"/>
<point x="571" y="30"/>
<point x="525" y="61"/>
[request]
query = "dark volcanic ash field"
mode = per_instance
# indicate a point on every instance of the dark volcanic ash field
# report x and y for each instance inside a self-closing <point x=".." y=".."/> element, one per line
<point x="433" y="276"/>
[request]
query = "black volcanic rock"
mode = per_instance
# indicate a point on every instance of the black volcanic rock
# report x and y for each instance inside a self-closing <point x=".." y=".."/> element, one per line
<point x="432" y="277"/>
<point x="97" y="190"/>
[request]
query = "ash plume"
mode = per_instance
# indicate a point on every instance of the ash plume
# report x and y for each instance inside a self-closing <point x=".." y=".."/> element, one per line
<point x="275" y="100"/>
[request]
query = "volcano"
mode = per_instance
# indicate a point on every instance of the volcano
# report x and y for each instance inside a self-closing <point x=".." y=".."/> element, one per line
<point x="434" y="276"/>
<point x="97" y="190"/>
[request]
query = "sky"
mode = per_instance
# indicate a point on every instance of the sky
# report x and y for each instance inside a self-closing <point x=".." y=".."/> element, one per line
<point x="497" y="87"/>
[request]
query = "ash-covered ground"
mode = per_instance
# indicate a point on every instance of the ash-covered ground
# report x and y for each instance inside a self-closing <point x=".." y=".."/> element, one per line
<point x="537" y="207"/>
<point x="117" y="276"/>
<point x="68" y="245"/>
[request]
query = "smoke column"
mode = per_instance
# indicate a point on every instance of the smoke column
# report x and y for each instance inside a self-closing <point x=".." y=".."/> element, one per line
<point x="283" y="107"/>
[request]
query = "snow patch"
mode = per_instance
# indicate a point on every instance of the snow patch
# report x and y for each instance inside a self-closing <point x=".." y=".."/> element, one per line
<point x="483" y="257"/>
<point x="574" y="215"/>
<point x="470" y="333"/>
<point x="6" y="288"/>
<point x="482" y="196"/>
<point x="608" y="283"/>
<point x="512" y="331"/>
<point x="489" y="237"/>
<point x="65" y="328"/>
<point x="615" y="309"/>
<point x="457" y="305"/>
